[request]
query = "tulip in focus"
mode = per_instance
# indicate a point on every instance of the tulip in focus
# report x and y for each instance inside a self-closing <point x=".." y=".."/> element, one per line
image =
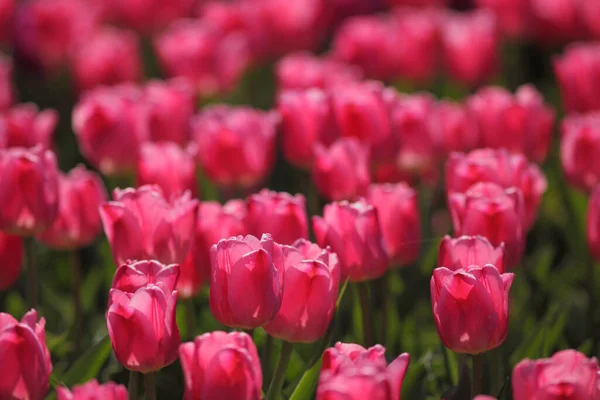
<point x="466" y="251"/>
<point x="580" y="150"/>
<point x="11" y="254"/>
<point x="247" y="277"/>
<point x="23" y="125"/>
<point x="25" y="357"/>
<point x="470" y="307"/>
<point x="135" y="275"/>
<point x="578" y="75"/>
<point x="220" y="365"/>
<point x="7" y="95"/>
<point x="92" y="390"/>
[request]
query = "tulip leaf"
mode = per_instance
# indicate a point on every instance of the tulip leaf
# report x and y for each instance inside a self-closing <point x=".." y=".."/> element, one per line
<point x="307" y="385"/>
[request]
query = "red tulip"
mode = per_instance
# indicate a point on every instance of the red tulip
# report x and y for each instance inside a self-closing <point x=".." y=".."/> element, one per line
<point x="110" y="124"/>
<point x="521" y="123"/>
<point x="149" y="16"/>
<point x="280" y="214"/>
<point x="168" y="166"/>
<point x="140" y="224"/>
<point x="578" y="75"/>
<point x="7" y="9"/>
<point x="453" y="128"/>
<point x="556" y="21"/>
<point x="78" y="223"/>
<point x="93" y="390"/>
<point x="352" y="230"/>
<point x="24" y="125"/>
<point x="470" y="307"/>
<point x="513" y="15"/>
<point x="466" y="251"/>
<point x="580" y="150"/>
<point x="142" y="328"/>
<point x="341" y="171"/>
<point x="29" y="198"/>
<point x="489" y="210"/>
<point x="309" y="295"/>
<point x="134" y="275"/>
<point x="419" y="3"/>
<point x="470" y="45"/>
<point x="11" y="253"/>
<point x="220" y="365"/>
<point x="568" y="374"/>
<point x="398" y="211"/>
<point x="236" y="146"/>
<point x="590" y="11"/>
<point x="351" y="372"/>
<point x="26" y="366"/>
<point x="7" y="95"/>
<point x="593" y="223"/>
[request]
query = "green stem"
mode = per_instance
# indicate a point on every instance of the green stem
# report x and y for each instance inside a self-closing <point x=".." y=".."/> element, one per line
<point x="250" y="332"/>
<point x="446" y="364"/>
<point x="279" y="376"/>
<point x="150" y="385"/>
<point x="367" y="316"/>
<point x="477" y="375"/>
<point x="388" y="300"/>
<point x="134" y="385"/>
<point x="32" y="273"/>
<point x="267" y="356"/>
<point x="190" y="318"/>
<point x="77" y="307"/>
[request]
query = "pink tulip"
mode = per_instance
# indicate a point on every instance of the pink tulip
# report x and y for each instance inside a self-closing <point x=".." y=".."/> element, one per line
<point x="150" y="16"/>
<point x="513" y="15"/>
<point x="24" y="125"/>
<point x="453" y="128"/>
<point x="466" y="251"/>
<point x="419" y="3"/>
<point x="7" y="95"/>
<point x="578" y="75"/>
<point x="580" y="150"/>
<point x="7" y="9"/>
<point x="11" y="254"/>
<point x="556" y="21"/>
<point x="135" y="275"/>
<point x="219" y="365"/>
<point x="593" y="223"/>
<point x="92" y="390"/>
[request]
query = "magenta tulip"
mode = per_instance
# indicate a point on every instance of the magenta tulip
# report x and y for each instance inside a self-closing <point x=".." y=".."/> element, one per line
<point x="24" y="125"/>
<point x="92" y="390"/>
<point x="11" y="259"/>
<point x="467" y="251"/>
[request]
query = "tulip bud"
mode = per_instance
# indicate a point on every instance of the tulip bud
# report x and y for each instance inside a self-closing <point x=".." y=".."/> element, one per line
<point x="453" y="128"/>
<point x="29" y="195"/>
<point x="25" y="126"/>
<point x="11" y="254"/>
<point x="578" y="75"/>
<point x="470" y="307"/>
<point x="309" y="294"/>
<point x="247" y="276"/>
<point x="354" y="234"/>
<point x="352" y="372"/>
<point x="398" y="212"/>
<point x="140" y="224"/>
<point x="489" y="210"/>
<point x="134" y="275"/>
<point x="280" y="214"/>
<point x="221" y="365"/>
<point x="78" y="223"/>
<point x="466" y="251"/>
<point x="25" y="357"/>
<point x="142" y="327"/>
<point x="580" y="150"/>
<point x="593" y="224"/>
<point x="166" y="165"/>
<point x="236" y="146"/>
<point x="93" y="390"/>
<point x="341" y="172"/>
<point x="568" y="374"/>
<point x="7" y="96"/>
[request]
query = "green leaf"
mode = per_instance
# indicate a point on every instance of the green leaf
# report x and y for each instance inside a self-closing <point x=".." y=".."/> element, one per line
<point x="307" y="385"/>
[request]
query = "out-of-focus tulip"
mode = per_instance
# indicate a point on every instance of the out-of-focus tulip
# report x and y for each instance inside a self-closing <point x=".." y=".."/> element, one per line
<point x="236" y="146"/>
<point x="489" y="210"/>
<point x="167" y="165"/>
<point x="7" y="96"/>
<point x="568" y="374"/>
<point x="26" y="365"/>
<point x="78" y="223"/>
<point x="30" y="197"/>
<point x="470" y="307"/>
<point x="93" y="390"/>
<point x="593" y="223"/>
<point x="470" y="46"/>
<point x="590" y="12"/>
<point x="211" y="59"/>
<point x="221" y="365"/>
<point x="419" y="3"/>
<point x="484" y="397"/>
<point x="142" y="328"/>
<point x="134" y="275"/>
<point x="578" y="75"/>
<point x="172" y="104"/>
<point x="23" y="125"/>
<point x="110" y="124"/>
<point x="466" y="251"/>
<point x="140" y="224"/>
<point x="280" y="214"/>
<point x="7" y="9"/>
<point x="109" y="57"/>
<point x="453" y="128"/>
<point x="521" y="123"/>
<point x="11" y="253"/>
<point x="580" y="150"/>
<point x="148" y="16"/>
<point x="353" y="232"/>
<point x="513" y="15"/>
<point x="340" y="10"/>
<point x="398" y="211"/>
<point x="500" y="167"/>
<point x="556" y="21"/>
<point x="247" y="275"/>
<point x="310" y="293"/>
<point x="352" y="372"/>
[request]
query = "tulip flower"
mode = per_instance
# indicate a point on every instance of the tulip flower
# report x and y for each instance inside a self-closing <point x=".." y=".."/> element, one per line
<point x="579" y="150"/>
<point x="512" y="15"/>
<point x="247" y="276"/>
<point x="466" y="251"/>
<point x="578" y="75"/>
<point x="7" y="9"/>
<point x="556" y="22"/>
<point x="142" y="327"/>
<point x="7" y="96"/>
<point x="341" y="172"/>
<point x="221" y="365"/>
<point x="236" y="146"/>
<point x="26" y="365"/>
<point x="590" y="11"/>
<point x="24" y="125"/>
<point x="280" y="214"/>
<point x="150" y="16"/>
<point x="168" y="166"/>
<point x="78" y="223"/>
<point x="568" y="374"/>
<point x="470" y="307"/>
<point x="135" y="275"/>
<point x="354" y="234"/>
<point x="29" y="178"/>
<point x="398" y="211"/>
<point x="419" y="3"/>
<point x="453" y="128"/>
<point x="593" y="224"/>
<point x="489" y="210"/>
<point x="11" y="254"/>
<point x="351" y="372"/>
<point x="93" y="390"/>
<point x="140" y="224"/>
<point x="310" y="291"/>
